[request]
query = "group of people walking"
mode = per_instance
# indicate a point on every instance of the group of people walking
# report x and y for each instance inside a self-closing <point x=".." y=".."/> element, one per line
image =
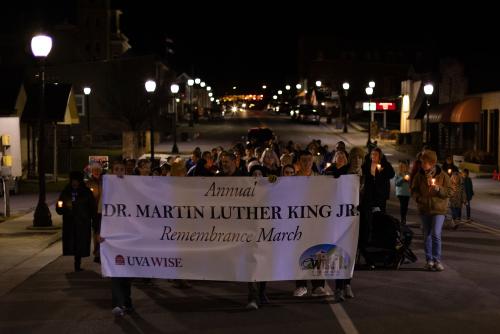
<point x="432" y="187"/>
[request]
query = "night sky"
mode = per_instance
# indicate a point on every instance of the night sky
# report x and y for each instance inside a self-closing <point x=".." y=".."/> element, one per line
<point x="249" y="43"/>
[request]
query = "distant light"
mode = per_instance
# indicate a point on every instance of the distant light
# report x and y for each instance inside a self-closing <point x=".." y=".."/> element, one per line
<point x="217" y="100"/>
<point x="212" y="99"/>
<point x="234" y="87"/>
<point x="287" y="87"/>
<point x="275" y="97"/>
<point x="41" y="45"/>
<point x="177" y="100"/>
<point x="428" y="89"/>
<point x="210" y="94"/>
<point x="174" y="88"/>
<point x="209" y="88"/>
<point x="371" y="84"/>
<point x="197" y="81"/>
<point x="244" y="105"/>
<point x="323" y="103"/>
<point x="264" y="86"/>
<point x="150" y="86"/>
<point x="190" y="82"/>
<point x="369" y="90"/>
<point x="345" y="85"/>
<point x="280" y="92"/>
<point x="87" y="90"/>
<point x="202" y="84"/>
<point x="298" y="86"/>
<point x="318" y="83"/>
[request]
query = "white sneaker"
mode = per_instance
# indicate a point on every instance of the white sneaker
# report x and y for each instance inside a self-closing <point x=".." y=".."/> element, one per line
<point x="300" y="291"/>
<point x="252" y="305"/>
<point x="118" y="311"/>
<point x="429" y="265"/>
<point x="348" y="291"/>
<point x="320" y="292"/>
<point x="438" y="266"/>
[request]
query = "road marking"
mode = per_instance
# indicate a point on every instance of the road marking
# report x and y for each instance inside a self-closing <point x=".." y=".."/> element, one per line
<point x="344" y="320"/>
<point x="484" y="228"/>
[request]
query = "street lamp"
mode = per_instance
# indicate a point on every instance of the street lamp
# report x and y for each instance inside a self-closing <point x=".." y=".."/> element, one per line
<point x="150" y="86"/>
<point x="87" y="91"/>
<point x="202" y="84"/>
<point x="369" y="92"/>
<point x="280" y="92"/>
<point x="298" y="86"/>
<point x="345" y="86"/>
<point x="264" y="86"/>
<point x="287" y="87"/>
<point x="190" y="83"/>
<point x="174" y="88"/>
<point x="197" y="81"/>
<point x="209" y="88"/>
<point x="41" y="46"/>
<point x="371" y="84"/>
<point x="428" y="90"/>
<point x="318" y="83"/>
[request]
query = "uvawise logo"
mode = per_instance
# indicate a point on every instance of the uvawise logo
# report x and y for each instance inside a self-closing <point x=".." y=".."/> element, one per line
<point x="119" y="260"/>
<point x="324" y="259"/>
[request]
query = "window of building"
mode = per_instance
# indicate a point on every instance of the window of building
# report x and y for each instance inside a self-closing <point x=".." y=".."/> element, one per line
<point x="80" y="104"/>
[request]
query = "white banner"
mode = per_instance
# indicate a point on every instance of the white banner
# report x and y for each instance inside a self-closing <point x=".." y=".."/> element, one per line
<point x="230" y="228"/>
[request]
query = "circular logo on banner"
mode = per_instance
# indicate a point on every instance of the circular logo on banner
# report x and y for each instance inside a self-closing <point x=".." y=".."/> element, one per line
<point x="119" y="260"/>
<point x="324" y="259"/>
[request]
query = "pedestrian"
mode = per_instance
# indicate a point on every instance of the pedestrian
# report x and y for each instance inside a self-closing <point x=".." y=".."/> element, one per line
<point x="78" y="207"/>
<point x="469" y="192"/>
<point x="431" y="189"/>
<point x="288" y="170"/>
<point x="305" y="162"/>
<point x="402" y="183"/>
<point x="448" y="166"/>
<point x="457" y="198"/>
<point x="120" y="286"/>
<point x="94" y="183"/>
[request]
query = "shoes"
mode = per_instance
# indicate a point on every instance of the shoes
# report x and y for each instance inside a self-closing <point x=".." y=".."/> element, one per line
<point x="348" y="291"/>
<point x="429" y="265"/>
<point x="339" y="295"/>
<point x="300" y="291"/>
<point x="118" y="311"/>
<point x="252" y="305"/>
<point x="264" y="300"/>
<point x="438" y="266"/>
<point x="319" y="292"/>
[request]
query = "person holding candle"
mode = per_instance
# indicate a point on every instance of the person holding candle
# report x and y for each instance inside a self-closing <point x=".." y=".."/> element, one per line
<point x="77" y="206"/>
<point x="431" y="189"/>
<point x="402" y="182"/>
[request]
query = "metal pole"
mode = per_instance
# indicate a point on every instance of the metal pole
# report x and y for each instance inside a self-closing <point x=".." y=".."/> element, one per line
<point x="368" y="143"/>
<point x="191" y="112"/>
<point x="345" y="113"/>
<point x="152" y="134"/>
<point x="175" y="149"/>
<point x="87" y="100"/>
<point x="427" y="135"/>
<point x="42" y="215"/>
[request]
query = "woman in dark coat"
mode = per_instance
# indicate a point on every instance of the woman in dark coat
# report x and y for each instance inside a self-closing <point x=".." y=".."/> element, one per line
<point x="77" y="206"/>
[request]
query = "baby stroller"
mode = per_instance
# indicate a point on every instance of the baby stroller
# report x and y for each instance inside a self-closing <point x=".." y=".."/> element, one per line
<point x="390" y="242"/>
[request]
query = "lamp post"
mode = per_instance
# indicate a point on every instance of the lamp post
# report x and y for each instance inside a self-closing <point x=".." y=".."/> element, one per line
<point x="190" y="83"/>
<point x="41" y="46"/>
<point x="150" y="86"/>
<point x="369" y="92"/>
<point x="345" y="86"/>
<point x="174" y="88"/>
<point x="428" y="90"/>
<point x="87" y="91"/>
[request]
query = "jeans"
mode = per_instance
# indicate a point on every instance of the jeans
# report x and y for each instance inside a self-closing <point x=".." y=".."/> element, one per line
<point x="403" y="207"/>
<point x="431" y="228"/>
<point x="467" y="207"/>
<point x="456" y="213"/>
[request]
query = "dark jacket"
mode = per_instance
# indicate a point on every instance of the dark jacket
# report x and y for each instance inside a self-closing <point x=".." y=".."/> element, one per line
<point x="78" y="210"/>
<point x="469" y="190"/>
<point x="336" y="172"/>
<point x="376" y="189"/>
<point x="199" y="169"/>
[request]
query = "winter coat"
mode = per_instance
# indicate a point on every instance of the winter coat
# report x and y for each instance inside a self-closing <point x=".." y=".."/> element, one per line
<point x="376" y="189"/>
<point x="402" y="186"/>
<point x="78" y="211"/>
<point x="431" y="203"/>
<point x="457" y="193"/>
<point x="336" y="172"/>
<point x="469" y="190"/>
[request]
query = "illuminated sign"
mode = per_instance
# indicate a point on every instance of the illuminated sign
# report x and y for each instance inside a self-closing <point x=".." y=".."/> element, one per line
<point x="386" y="106"/>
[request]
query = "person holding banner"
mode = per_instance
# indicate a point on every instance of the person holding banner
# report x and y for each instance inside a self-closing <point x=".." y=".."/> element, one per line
<point x="78" y="207"/>
<point x="94" y="183"/>
<point x="305" y="162"/>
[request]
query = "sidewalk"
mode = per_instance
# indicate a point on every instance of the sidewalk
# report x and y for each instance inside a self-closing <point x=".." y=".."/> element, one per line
<point x="24" y="252"/>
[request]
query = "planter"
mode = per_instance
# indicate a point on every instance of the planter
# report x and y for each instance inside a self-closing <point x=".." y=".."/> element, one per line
<point x="477" y="168"/>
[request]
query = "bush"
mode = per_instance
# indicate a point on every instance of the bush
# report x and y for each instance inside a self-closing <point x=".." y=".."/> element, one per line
<point x="479" y="157"/>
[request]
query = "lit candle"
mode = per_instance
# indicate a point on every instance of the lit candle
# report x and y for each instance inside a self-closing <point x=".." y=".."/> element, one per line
<point x="379" y="166"/>
<point x="92" y="189"/>
<point x="433" y="181"/>
<point x="59" y="204"/>
<point x="407" y="177"/>
<point x="328" y="164"/>
<point x="449" y="171"/>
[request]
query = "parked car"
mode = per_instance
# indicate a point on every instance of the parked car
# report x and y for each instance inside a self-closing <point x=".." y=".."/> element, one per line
<point x="260" y="136"/>
<point x="306" y="113"/>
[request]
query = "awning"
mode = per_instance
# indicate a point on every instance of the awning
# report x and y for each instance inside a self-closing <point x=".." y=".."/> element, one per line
<point x="466" y="111"/>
